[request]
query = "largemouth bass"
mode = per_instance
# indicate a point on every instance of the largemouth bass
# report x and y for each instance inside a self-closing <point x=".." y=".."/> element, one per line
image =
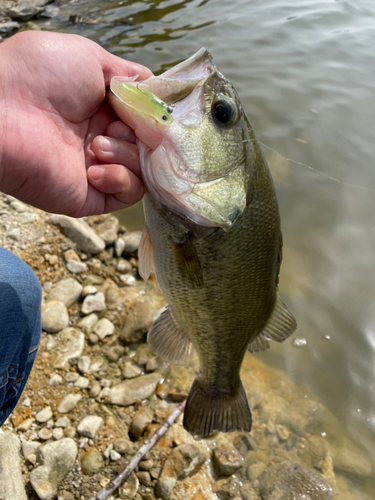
<point x="212" y="233"/>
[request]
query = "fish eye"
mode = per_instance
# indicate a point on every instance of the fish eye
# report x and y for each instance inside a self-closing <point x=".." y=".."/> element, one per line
<point x="225" y="111"/>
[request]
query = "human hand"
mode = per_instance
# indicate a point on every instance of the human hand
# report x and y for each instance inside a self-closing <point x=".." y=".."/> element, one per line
<point x="52" y="108"/>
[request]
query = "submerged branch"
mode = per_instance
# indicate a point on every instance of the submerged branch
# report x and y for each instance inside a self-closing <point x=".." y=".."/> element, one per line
<point x="107" y="491"/>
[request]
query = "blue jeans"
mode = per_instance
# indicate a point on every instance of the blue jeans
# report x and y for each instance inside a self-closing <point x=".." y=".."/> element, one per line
<point x="20" y="328"/>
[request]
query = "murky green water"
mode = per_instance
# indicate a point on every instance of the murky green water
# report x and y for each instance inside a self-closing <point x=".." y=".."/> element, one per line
<point x="305" y="72"/>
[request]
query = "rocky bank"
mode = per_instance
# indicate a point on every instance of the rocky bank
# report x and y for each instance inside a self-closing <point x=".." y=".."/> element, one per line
<point x="97" y="392"/>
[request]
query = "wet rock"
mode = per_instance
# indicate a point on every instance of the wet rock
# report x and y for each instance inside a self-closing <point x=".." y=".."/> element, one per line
<point x="348" y="460"/>
<point x="130" y="370"/>
<point x="185" y="460"/>
<point x="71" y="342"/>
<point x="80" y="233"/>
<point x="103" y="328"/>
<point x="66" y="291"/>
<point x="138" y="322"/>
<point x="248" y="492"/>
<point x="50" y="11"/>
<point x="69" y="402"/>
<point x="108" y="230"/>
<point x="8" y="27"/>
<point x="56" y="379"/>
<point x="141" y="420"/>
<point x="317" y="454"/>
<point x="88" y="322"/>
<point x="58" y="459"/>
<point x="26" y="10"/>
<point x="282" y="432"/>
<point x="128" y="392"/>
<point x="92" y="461"/>
<point x="76" y="267"/>
<point x="129" y="489"/>
<point x="226" y="489"/>
<point x="44" y="415"/>
<point x="93" y="303"/>
<point x="55" y="316"/>
<point x="302" y="416"/>
<point x="226" y="460"/>
<point x="11" y="481"/>
<point x="289" y="481"/>
<point x="255" y="470"/>
<point x="90" y="426"/>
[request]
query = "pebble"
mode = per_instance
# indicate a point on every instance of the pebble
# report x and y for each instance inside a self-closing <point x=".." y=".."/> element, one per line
<point x="44" y="415"/>
<point x="69" y="402"/>
<point x="24" y="11"/>
<point x="95" y="389"/>
<point x="14" y="233"/>
<point x="93" y="303"/>
<point x="119" y="246"/>
<point x="302" y="416"/>
<point x="56" y="379"/>
<point x="127" y="393"/>
<point x="62" y="422"/>
<point x="114" y="456"/>
<point x="131" y="240"/>
<point x="58" y="459"/>
<point x="88" y="322"/>
<point x="11" y="481"/>
<point x="130" y="370"/>
<point x="55" y="316"/>
<point x="96" y="363"/>
<point x="80" y="233"/>
<point x="128" y="279"/>
<point x="51" y="259"/>
<point x="90" y="426"/>
<point x="129" y="489"/>
<point x="141" y="420"/>
<point x="29" y="448"/>
<point x="108" y="450"/>
<point x="144" y="478"/>
<point x="106" y="382"/>
<point x="114" y="353"/>
<point x="71" y="255"/>
<point x="104" y="328"/>
<point x="255" y="470"/>
<point x="226" y="488"/>
<point x="89" y="290"/>
<point x="226" y="460"/>
<point x="124" y="266"/>
<point x="76" y="267"/>
<point x="18" y="206"/>
<point x="138" y="322"/>
<point x="25" y="425"/>
<point x="71" y="377"/>
<point x="94" y="339"/>
<point x="124" y="446"/>
<point x="108" y="230"/>
<point x="70" y="432"/>
<point x="92" y="461"/>
<point x="44" y="434"/>
<point x="57" y="433"/>
<point x="84" y="364"/>
<point x="28" y="218"/>
<point x="151" y="365"/>
<point x="71" y="342"/>
<point x="82" y="383"/>
<point x="66" y="291"/>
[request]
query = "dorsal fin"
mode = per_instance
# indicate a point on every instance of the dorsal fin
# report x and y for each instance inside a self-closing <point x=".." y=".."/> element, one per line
<point x="169" y="341"/>
<point x="145" y="255"/>
<point x="280" y="325"/>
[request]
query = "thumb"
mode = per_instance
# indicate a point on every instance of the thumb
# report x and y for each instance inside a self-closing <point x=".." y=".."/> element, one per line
<point x="116" y="66"/>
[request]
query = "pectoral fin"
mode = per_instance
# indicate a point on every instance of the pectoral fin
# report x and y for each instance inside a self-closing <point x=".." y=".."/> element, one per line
<point x="169" y="341"/>
<point x="280" y="325"/>
<point x="145" y="255"/>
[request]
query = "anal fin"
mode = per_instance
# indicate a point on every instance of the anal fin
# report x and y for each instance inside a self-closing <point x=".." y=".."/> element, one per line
<point x="169" y="341"/>
<point x="280" y="325"/>
<point x="207" y="410"/>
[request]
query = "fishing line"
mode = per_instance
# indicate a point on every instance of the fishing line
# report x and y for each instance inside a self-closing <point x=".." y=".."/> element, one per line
<point x="324" y="174"/>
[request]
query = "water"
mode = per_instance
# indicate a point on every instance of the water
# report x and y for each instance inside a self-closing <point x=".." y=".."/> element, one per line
<point x="304" y="70"/>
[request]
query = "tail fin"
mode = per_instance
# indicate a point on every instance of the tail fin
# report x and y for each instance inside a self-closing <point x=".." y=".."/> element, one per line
<point x="207" y="410"/>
